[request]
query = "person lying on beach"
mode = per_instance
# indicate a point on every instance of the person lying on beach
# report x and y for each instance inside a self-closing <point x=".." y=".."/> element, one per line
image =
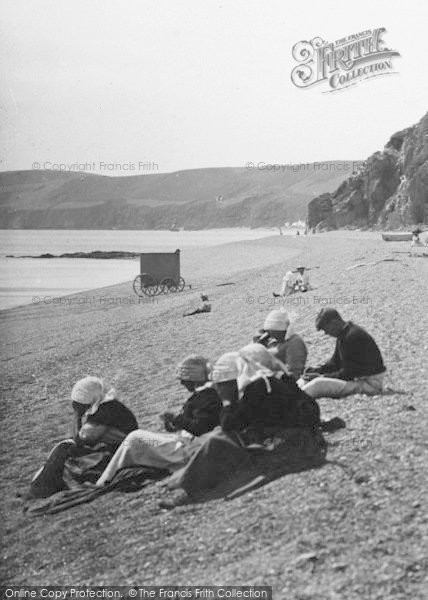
<point x="262" y="407"/>
<point x="356" y="366"/>
<point x="294" y="281"/>
<point x="205" y="308"/>
<point x="279" y="337"/>
<point x="101" y="423"/>
<point x="171" y="450"/>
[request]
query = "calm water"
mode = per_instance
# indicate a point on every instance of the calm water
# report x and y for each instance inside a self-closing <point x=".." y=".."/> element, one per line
<point x="23" y="278"/>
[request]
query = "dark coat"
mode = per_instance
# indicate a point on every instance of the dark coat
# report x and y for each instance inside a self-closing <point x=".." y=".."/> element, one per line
<point x="200" y="413"/>
<point x="264" y="411"/>
<point x="114" y="414"/>
<point x="356" y="355"/>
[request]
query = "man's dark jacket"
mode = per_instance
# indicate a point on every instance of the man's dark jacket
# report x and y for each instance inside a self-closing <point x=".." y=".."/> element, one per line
<point x="356" y="355"/>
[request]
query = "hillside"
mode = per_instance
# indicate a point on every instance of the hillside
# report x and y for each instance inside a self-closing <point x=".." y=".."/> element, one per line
<point x="390" y="191"/>
<point x="254" y="198"/>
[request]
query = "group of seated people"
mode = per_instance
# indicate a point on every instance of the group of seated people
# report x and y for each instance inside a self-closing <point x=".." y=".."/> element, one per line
<point x="247" y="399"/>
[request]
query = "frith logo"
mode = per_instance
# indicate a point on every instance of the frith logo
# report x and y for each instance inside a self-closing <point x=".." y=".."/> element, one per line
<point x="342" y="63"/>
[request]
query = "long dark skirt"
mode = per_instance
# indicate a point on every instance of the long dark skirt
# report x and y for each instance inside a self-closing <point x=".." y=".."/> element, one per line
<point x="69" y="467"/>
<point x="216" y="461"/>
<point x="223" y="463"/>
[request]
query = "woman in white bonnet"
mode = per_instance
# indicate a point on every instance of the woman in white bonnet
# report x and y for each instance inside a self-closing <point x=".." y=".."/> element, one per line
<point x="101" y="422"/>
<point x="279" y="336"/>
<point x="100" y="416"/>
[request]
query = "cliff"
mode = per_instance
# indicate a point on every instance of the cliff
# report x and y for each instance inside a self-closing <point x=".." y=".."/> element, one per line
<point x="389" y="191"/>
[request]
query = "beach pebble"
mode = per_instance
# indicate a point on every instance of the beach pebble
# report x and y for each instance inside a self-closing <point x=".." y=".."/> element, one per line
<point x="306" y="557"/>
<point x="362" y="479"/>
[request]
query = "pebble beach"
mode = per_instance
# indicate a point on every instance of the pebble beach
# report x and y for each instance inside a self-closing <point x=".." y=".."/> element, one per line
<point x="351" y="529"/>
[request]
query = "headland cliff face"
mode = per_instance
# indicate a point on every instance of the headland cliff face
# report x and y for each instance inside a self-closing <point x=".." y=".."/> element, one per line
<point x="389" y="191"/>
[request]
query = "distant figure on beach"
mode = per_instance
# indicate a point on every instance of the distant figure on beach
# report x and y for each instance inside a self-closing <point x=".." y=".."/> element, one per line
<point x="205" y="308"/>
<point x="101" y="423"/>
<point x="356" y="366"/>
<point x="302" y="280"/>
<point x="416" y="240"/>
<point x="279" y="336"/>
<point x="287" y="285"/>
<point x="294" y="281"/>
<point x="171" y="450"/>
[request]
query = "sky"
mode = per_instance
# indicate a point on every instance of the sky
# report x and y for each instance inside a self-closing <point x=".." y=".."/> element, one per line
<point x="184" y="84"/>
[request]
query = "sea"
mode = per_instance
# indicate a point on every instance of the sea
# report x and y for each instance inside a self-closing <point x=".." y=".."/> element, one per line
<point x="21" y="278"/>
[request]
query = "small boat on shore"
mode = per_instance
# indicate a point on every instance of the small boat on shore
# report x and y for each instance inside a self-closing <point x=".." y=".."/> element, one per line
<point x="397" y="237"/>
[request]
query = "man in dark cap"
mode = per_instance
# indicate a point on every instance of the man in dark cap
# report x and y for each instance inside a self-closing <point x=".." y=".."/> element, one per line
<point x="356" y="366"/>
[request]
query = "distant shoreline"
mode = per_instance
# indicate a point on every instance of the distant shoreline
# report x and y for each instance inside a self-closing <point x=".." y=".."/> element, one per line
<point x="199" y="266"/>
<point x="95" y="254"/>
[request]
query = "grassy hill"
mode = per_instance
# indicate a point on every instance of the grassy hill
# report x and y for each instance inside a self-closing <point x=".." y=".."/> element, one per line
<point x="53" y="199"/>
